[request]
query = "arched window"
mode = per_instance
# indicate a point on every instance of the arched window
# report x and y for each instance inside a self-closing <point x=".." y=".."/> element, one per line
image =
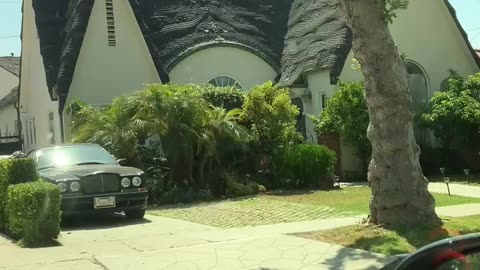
<point x="224" y="81"/>
<point x="417" y="82"/>
<point x="444" y="85"/>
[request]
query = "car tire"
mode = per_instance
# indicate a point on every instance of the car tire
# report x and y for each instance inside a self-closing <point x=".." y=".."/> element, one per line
<point x="135" y="214"/>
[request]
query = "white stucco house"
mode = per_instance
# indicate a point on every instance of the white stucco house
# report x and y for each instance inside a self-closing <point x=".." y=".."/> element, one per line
<point x="96" y="50"/>
<point x="9" y="72"/>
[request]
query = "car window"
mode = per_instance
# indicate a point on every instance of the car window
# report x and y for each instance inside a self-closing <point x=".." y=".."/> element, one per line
<point x="73" y="155"/>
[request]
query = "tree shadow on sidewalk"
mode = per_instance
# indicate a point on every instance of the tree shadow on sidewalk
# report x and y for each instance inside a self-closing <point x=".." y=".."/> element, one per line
<point x="99" y="221"/>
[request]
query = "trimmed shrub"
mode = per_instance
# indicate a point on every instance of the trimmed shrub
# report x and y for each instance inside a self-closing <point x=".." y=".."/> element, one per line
<point x="3" y="200"/>
<point x="224" y="97"/>
<point x="18" y="170"/>
<point x="304" y="166"/>
<point x="33" y="212"/>
<point x="14" y="171"/>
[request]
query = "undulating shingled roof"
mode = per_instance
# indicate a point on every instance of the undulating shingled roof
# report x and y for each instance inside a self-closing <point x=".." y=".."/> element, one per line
<point x="61" y="26"/>
<point x="317" y="37"/>
<point x="10" y="64"/>
<point x="294" y="36"/>
<point x="178" y="27"/>
<point x="10" y="98"/>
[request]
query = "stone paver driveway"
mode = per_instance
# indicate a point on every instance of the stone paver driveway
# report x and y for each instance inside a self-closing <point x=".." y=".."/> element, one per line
<point x="162" y="243"/>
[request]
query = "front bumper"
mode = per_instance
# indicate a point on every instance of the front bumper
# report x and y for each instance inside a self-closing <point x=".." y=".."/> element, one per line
<point x="83" y="204"/>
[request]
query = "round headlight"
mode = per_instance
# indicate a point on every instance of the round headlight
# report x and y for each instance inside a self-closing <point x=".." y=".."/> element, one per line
<point x="74" y="186"/>
<point x="62" y="187"/>
<point x="137" y="181"/>
<point x="125" y="182"/>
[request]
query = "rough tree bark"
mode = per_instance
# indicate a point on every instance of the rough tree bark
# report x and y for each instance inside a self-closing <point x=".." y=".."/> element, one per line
<point x="399" y="188"/>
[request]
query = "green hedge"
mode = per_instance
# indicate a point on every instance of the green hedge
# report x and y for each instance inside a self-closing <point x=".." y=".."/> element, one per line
<point x="14" y="171"/>
<point x="33" y="212"/>
<point x="224" y="97"/>
<point x="304" y="166"/>
<point x="18" y="170"/>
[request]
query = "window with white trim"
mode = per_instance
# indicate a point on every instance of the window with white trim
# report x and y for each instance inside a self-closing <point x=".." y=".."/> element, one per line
<point x="224" y="81"/>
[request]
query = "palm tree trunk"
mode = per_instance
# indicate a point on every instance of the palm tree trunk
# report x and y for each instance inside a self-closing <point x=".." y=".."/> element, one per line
<point x="399" y="188"/>
<point x="201" y="170"/>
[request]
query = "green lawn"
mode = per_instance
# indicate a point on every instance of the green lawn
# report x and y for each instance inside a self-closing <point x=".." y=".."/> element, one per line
<point x="355" y="199"/>
<point x="397" y="241"/>
<point x="272" y="209"/>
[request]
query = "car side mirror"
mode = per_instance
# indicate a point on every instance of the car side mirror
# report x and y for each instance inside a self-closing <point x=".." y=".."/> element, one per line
<point x="122" y="161"/>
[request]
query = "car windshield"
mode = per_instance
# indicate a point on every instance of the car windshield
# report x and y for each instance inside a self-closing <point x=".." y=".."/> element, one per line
<point x="73" y="155"/>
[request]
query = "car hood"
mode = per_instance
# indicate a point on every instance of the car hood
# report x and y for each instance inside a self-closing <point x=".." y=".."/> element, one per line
<point x="76" y="172"/>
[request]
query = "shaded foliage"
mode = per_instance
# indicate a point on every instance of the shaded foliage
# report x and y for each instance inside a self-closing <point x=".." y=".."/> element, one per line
<point x="304" y="166"/>
<point x="454" y="114"/>
<point x="272" y="116"/>
<point x="228" y="98"/>
<point x="210" y="146"/>
<point x="347" y="115"/>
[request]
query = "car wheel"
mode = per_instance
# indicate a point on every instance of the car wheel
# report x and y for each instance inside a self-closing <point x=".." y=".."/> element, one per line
<point x="135" y="214"/>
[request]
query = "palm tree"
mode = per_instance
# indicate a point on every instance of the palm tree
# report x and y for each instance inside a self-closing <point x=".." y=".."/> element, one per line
<point x="222" y="125"/>
<point x="113" y="127"/>
<point x="177" y="114"/>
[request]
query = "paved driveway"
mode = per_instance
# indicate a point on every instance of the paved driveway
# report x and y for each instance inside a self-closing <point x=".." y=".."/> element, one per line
<point x="113" y="242"/>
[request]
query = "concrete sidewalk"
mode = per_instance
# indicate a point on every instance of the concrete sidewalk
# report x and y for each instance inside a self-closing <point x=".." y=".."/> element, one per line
<point x="455" y="189"/>
<point x="462" y="210"/>
<point x="162" y="243"/>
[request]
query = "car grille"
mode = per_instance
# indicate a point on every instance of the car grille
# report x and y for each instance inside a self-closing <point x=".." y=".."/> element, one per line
<point x="101" y="183"/>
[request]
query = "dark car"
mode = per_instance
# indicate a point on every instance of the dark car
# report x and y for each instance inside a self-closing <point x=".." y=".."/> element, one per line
<point x="455" y="253"/>
<point x="92" y="181"/>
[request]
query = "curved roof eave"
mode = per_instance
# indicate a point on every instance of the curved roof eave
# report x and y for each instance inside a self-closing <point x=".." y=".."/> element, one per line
<point x="224" y="43"/>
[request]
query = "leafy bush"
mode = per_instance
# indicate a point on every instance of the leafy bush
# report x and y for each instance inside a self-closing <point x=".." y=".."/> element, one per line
<point x="14" y="171"/>
<point x="114" y="127"/>
<point x="236" y="189"/>
<point x="33" y="211"/>
<point x="272" y="116"/>
<point x="228" y="98"/>
<point x="18" y="170"/>
<point x="347" y="116"/>
<point x="454" y="115"/>
<point x="304" y="166"/>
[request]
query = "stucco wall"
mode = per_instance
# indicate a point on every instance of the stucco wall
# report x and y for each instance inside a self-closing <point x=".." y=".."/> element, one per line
<point x="8" y="117"/>
<point x="427" y="34"/>
<point x="104" y="72"/>
<point x="245" y="67"/>
<point x="34" y="98"/>
<point x="7" y="82"/>
<point x="8" y="114"/>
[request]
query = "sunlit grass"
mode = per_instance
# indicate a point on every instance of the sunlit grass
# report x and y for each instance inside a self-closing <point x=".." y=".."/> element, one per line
<point x="397" y="241"/>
